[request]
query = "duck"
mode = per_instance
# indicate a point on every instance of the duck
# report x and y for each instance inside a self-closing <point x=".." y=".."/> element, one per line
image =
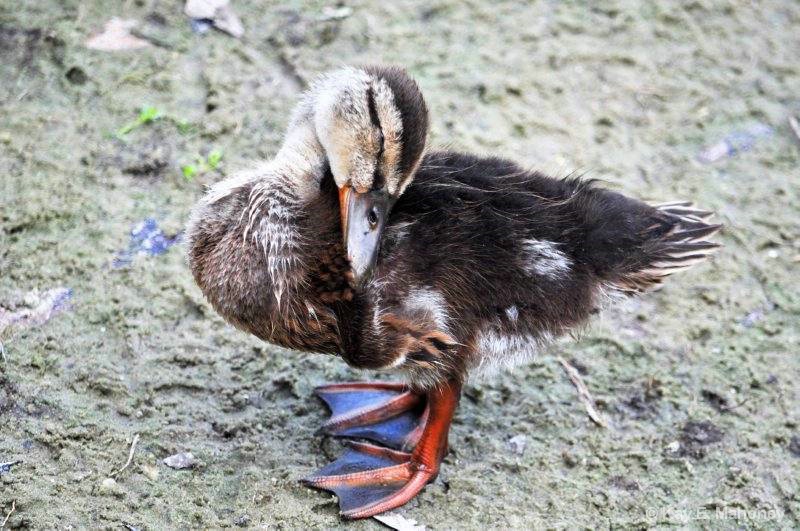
<point x="356" y="240"/>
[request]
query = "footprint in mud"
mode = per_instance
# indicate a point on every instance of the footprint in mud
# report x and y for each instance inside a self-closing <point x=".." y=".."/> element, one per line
<point x="696" y="436"/>
<point x="145" y="156"/>
<point x="643" y="402"/>
<point x="8" y="396"/>
<point x="794" y="445"/>
<point x="23" y="47"/>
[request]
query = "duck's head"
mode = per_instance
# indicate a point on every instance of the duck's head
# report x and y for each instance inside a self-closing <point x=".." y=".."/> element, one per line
<point x="372" y="123"/>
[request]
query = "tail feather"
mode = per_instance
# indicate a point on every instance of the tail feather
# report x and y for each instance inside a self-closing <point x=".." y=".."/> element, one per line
<point x="685" y="245"/>
<point x="684" y="209"/>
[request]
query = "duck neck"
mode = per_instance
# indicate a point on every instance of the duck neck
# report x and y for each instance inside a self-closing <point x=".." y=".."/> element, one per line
<point x="301" y="160"/>
<point x="287" y="204"/>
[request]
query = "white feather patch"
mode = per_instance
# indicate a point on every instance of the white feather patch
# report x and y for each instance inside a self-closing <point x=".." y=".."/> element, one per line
<point x="430" y="302"/>
<point x="542" y="257"/>
<point x="499" y="350"/>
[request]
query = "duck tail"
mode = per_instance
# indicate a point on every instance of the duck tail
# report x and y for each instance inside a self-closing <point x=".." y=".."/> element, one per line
<point x="675" y="238"/>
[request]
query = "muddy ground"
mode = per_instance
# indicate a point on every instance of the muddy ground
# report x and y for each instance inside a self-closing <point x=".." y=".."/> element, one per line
<point x="698" y="381"/>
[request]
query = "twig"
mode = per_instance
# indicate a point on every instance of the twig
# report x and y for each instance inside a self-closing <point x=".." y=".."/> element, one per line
<point x="289" y="70"/>
<point x="8" y="515"/>
<point x="130" y="456"/>
<point x="736" y="405"/>
<point x="795" y="127"/>
<point x="583" y="393"/>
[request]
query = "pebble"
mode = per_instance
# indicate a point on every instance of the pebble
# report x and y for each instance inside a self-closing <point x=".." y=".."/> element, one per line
<point x="109" y="485"/>
<point x="570" y="459"/>
<point x="673" y="447"/>
<point x="150" y="471"/>
<point x="180" y="461"/>
<point x="517" y="444"/>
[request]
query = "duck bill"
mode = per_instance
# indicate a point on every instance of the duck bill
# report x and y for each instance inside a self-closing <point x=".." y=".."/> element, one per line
<point x="363" y="219"/>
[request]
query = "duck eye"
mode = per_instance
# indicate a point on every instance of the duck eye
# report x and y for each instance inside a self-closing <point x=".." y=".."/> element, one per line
<point x="372" y="217"/>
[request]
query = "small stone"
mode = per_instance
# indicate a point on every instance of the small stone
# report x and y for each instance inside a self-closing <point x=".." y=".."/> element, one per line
<point x="180" y="461"/>
<point x="109" y="486"/>
<point x="517" y="444"/>
<point x="150" y="471"/>
<point x="77" y="477"/>
<point x="335" y="13"/>
<point x="570" y="459"/>
<point x="673" y="447"/>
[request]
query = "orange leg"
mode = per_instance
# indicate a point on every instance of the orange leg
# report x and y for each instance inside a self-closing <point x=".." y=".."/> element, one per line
<point x="370" y="479"/>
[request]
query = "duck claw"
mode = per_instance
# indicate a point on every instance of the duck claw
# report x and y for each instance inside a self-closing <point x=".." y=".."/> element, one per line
<point x="385" y="413"/>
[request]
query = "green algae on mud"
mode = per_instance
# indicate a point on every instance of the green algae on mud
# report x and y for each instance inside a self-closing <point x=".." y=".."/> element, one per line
<point x="698" y="380"/>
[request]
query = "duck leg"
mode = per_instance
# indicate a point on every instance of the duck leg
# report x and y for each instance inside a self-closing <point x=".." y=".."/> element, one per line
<point x="370" y="479"/>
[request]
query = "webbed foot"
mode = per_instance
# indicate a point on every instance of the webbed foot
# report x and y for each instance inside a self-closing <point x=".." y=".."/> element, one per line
<point x="370" y="479"/>
<point x="386" y="413"/>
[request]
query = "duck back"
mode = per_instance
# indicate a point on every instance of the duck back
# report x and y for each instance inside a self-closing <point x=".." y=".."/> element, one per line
<point x="520" y="257"/>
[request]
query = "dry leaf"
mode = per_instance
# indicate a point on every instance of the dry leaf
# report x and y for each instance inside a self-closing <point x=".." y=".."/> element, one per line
<point x="399" y="522"/>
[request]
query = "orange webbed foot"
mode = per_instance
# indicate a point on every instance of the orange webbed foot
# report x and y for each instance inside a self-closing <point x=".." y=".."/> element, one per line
<point x="370" y="479"/>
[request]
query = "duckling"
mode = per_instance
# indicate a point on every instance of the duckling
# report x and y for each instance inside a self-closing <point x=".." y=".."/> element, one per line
<point x="353" y="241"/>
